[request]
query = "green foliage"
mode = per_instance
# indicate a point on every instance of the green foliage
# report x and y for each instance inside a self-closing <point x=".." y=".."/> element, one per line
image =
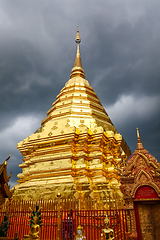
<point x="4" y="226"/>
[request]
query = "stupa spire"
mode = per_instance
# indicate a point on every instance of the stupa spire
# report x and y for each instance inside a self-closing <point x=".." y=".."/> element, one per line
<point x="68" y="152"/>
<point x="139" y="143"/>
<point x="77" y="70"/>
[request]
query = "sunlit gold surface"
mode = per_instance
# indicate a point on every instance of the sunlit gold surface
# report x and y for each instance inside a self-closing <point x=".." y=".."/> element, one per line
<point x="77" y="149"/>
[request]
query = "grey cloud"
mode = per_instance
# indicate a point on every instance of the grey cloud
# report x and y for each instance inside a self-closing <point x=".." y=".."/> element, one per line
<point x="120" y="55"/>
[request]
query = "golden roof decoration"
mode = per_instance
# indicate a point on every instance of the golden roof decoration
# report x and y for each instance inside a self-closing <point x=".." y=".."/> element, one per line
<point x="4" y="179"/>
<point x="139" y="143"/>
<point x="77" y="70"/>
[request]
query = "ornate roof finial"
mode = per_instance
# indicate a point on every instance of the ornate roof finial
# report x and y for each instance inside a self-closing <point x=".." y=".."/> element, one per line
<point x="77" y="70"/>
<point x="5" y="162"/>
<point x="138" y="136"/>
<point x="139" y="143"/>
<point x="78" y="39"/>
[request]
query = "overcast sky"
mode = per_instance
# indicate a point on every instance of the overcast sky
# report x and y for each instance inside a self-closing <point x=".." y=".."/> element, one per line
<point x="120" y="53"/>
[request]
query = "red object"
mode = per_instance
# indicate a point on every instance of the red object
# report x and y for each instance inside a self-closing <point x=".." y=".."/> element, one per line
<point x="146" y="192"/>
<point x="92" y="221"/>
<point x="137" y="221"/>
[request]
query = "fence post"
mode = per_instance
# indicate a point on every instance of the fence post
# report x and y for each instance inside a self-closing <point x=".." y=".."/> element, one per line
<point x="58" y="235"/>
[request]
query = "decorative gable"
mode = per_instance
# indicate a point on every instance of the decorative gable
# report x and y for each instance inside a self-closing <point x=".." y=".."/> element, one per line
<point x="142" y="169"/>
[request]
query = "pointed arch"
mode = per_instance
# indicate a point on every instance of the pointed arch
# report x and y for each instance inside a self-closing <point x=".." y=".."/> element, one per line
<point x="148" y="176"/>
<point x="150" y="184"/>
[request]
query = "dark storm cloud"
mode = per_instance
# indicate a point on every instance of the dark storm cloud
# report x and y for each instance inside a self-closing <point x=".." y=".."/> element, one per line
<point x="128" y="59"/>
<point x="131" y="112"/>
<point x="120" y="54"/>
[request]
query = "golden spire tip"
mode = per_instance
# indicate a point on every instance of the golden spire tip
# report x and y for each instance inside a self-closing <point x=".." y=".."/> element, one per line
<point x="139" y="143"/>
<point x="138" y="136"/>
<point x="77" y="70"/>
<point x="78" y="39"/>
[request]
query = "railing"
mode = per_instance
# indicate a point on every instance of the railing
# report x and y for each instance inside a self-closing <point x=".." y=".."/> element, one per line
<point x="92" y="221"/>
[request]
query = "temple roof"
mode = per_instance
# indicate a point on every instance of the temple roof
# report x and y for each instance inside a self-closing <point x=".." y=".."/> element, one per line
<point x="141" y="169"/>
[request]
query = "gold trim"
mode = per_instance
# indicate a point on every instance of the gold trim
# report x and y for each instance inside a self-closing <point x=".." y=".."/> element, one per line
<point x="150" y="199"/>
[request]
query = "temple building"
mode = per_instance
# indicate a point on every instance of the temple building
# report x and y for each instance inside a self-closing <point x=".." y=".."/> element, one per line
<point x="5" y="191"/>
<point x="77" y="151"/>
<point x="141" y="188"/>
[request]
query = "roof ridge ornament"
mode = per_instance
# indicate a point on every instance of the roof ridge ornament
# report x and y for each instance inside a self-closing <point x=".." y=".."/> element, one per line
<point x="77" y="70"/>
<point x="139" y="142"/>
<point x="78" y="39"/>
<point x="5" y="162"/>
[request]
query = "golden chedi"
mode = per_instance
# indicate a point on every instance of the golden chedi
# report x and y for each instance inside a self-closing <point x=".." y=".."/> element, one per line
<point x="77" y="150"/>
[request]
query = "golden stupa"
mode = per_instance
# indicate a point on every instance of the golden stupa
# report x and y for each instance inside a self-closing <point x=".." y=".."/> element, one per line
<point x="77" y="150"/>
